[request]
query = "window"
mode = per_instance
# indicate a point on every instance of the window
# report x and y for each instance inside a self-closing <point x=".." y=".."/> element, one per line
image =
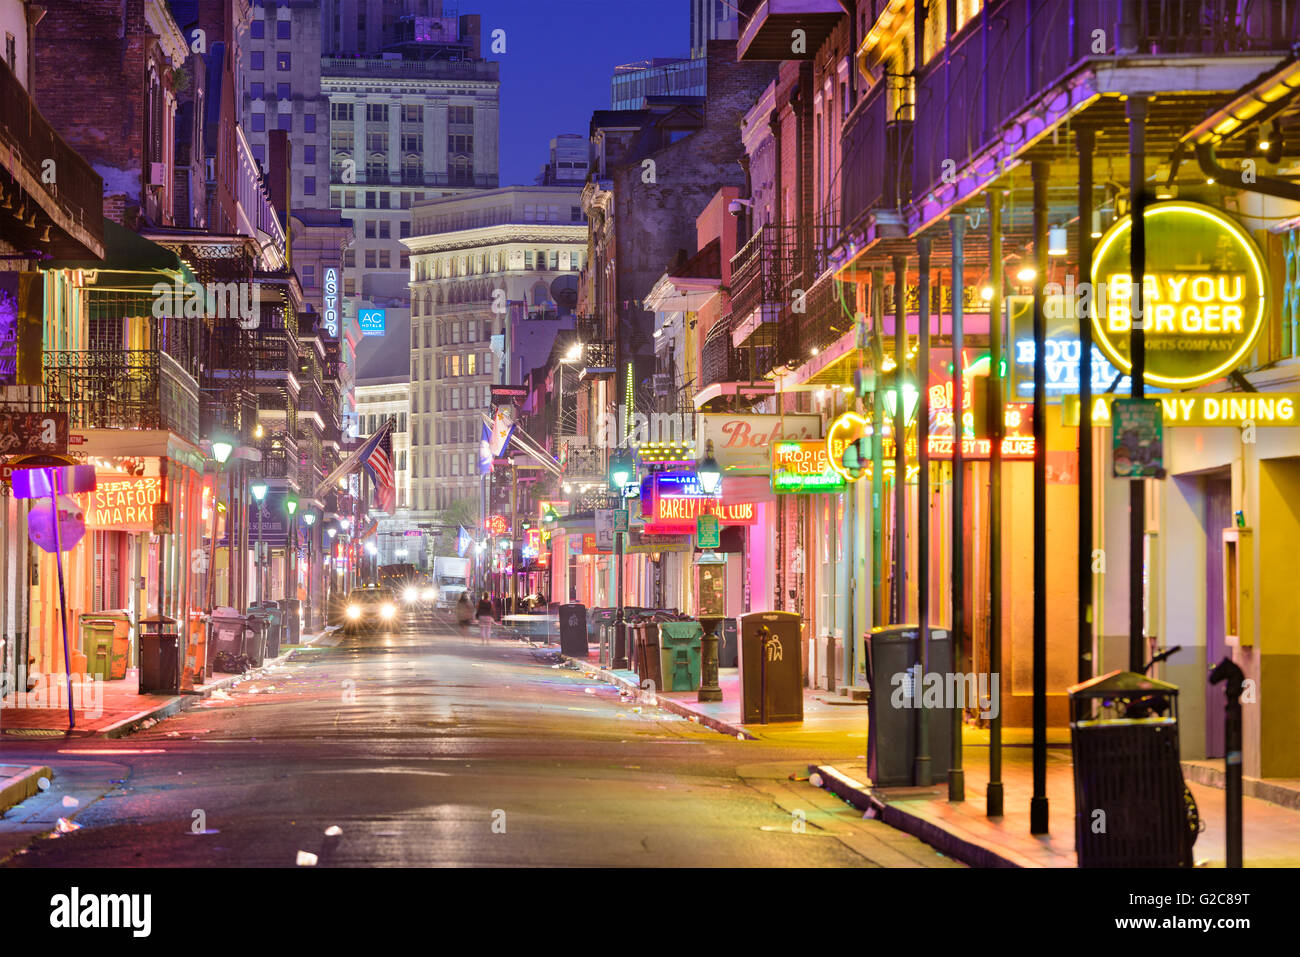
<point x="385" y="259"/>
<point x="282" y="62"/>
<point x="257" y="29"/>
<point x="404" y="228"/>
<point x="349" y="286"/>
<point x="385" y="228"/>
<point x="370" y="259"/>
<point x="259" y="122"/>
<point x="309" y="275"/>
<point x="404" y="258"/>
<point x="575" y="214"/>
<point x="460" y="144"/>
<point x="257" y="60"/>
<point x="470" y="365"/>
<point x="401" y="427"/>
<point x="377" y="112"/>
<point x="309" y="154"/>
<point x="341" y="112"/>
<point x="257" y="91"/>
<point x="528" y="259"/>
<point x="384" y="201"/>
<point x="282" y="29"/>
<point x="309" y="185"/>
<point x="463" y="115"/>
<point x="370" y="229"/>
<point x="282" y="91"/>
<point x="309" y="122"/>
<point x="286" y="122"/>
<point x="412" y="114"/>
<point x="412" y="142"/>
<point x="370" y="199"/>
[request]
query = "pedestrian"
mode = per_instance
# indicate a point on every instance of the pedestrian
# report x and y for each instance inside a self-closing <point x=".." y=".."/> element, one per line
<point x="484" y="614"/>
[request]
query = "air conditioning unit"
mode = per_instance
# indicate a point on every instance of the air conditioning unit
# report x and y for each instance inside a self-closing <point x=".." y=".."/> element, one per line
<point x="663" y="383"/>
<point x="157" y="174"/>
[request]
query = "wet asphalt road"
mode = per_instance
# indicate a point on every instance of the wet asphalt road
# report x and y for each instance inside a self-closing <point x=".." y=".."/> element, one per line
<point x="426" y="748"/>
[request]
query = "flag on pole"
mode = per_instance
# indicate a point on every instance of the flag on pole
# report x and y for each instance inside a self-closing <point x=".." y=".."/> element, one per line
<point x="377" y="459"/>
<point x="463" y="541"/>
<point x="485" y="451"/>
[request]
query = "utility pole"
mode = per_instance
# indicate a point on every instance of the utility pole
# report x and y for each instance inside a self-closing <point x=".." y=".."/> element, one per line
<point x="997" y="426"/>
<point x="900" y="440"/>
<point x="1085" y="138"/>
<point x="922" y="773"/>
<point x="878" y="603"/>
<point x="1137" y="115"/>
<point x="1038" y="809"/>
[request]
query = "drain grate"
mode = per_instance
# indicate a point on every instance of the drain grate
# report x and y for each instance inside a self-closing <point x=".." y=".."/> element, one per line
<point x="34" y="732"/>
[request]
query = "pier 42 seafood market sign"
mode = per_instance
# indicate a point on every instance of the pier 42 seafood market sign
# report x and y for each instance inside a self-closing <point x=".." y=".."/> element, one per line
<point x="1204" y="296"/>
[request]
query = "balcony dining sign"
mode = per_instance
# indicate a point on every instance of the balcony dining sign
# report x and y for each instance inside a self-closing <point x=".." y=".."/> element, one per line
<point x="1205" y="294"/>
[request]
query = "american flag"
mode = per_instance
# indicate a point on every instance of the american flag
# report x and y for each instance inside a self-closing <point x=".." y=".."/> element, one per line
<point x="377" y="457"/>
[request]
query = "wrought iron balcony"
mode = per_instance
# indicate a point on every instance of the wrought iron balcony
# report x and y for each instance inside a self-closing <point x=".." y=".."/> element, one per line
<point x="64" y="217"/>
<point x="878" y="152"/>
<point x="584" y="463"/>
<point x="128" y="389"/>
<point x="720" y="360"/>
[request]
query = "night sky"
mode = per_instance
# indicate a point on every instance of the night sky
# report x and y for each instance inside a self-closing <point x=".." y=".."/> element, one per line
<point x="560" y="55"/>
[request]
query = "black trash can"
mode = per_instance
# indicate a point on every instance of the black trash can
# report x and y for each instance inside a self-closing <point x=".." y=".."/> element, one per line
<point x="291" y="622"/>
<point x="271" y="615"/>
<point x="160" y="656"/>
<point x="1132" y="807"/>
<point x="729" y="644"/>
<point x="895" y="704"/>
<point x="771" y="666"/>
<point x="227" y="649"/>
<point x="573" y="630"/>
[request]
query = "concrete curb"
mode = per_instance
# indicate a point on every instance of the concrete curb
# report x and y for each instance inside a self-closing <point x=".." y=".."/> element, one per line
<point x="862" y="797"/>
<point x="19" y="787"/>
<point x="1264" y="790"/>
<point x="177" y="704"/>
<point x="659" y="701"/>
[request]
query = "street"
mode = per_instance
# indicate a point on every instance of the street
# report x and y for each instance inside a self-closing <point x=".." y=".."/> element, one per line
<point x="427" y="748"/>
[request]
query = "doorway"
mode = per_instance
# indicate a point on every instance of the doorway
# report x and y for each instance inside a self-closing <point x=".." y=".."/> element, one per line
<point x="1218" y="516"/>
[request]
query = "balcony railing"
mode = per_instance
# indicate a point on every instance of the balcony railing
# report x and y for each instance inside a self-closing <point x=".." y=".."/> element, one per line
<point x="129" y="389"/>
<point x="720" y="360"/>
<point x="584" y="462"/>
<point x="30" y="142"/>
<point x="771" y="276"/>
<point x="432" y="180"/>
<point x="877" y="155"/>
<point x="1032" y="43"/>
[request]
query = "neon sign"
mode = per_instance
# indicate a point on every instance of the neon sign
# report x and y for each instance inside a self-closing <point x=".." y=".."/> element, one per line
<point x="804" y="466"/>
<point x="331" y="302"/>
<point x="1205" y="294"/>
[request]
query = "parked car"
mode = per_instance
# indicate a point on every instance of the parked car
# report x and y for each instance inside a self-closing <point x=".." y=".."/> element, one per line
<point x="370" y="609"/>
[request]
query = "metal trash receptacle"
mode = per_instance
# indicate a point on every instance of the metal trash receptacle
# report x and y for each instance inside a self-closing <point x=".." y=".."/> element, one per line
<point x="273" y="615"/>
<point x="256" y="627"/>
<point x="729" y="644"/>
<point x="894" y="705"/>
<point x="291" y="621"/>
<point x="160" y="656"/>
<point x="97" y="644"/>
<point x="573" y="630"/>
<point x="1127" y="774"/>
<point x="771" y="666"/>
<point x="679" y="642"/>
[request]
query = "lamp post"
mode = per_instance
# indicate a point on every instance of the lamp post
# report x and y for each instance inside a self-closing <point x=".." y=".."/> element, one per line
<point x="309" y="519"/>
<point x="710" y="478"/>
<point x="620" y="474"/>
<point x="221" y="449"/>
<point x="259" y="493"/>
<point x="291" y="548"/>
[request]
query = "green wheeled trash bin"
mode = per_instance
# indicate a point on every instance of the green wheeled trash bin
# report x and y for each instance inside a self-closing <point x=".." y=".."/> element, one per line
<point x="97" y="644"/>
<point x="679" y="643"/>
<point x="1127" y="776"/>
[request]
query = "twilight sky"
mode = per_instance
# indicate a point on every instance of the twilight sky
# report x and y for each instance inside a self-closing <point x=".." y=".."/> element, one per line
<point x="560" y="55"/>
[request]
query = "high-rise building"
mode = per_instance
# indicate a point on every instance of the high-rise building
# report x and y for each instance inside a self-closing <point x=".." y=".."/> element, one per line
<point x="405" y="127"/>
<point x="282" y="91"/>
<point x="475" y="260"/>
<point x="712" y="20"/>
<point x="568" y="161"/>
<point x="420" y="28"/>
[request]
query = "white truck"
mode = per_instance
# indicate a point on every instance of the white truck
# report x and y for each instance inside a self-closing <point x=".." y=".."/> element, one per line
<point x="450" y="578"/>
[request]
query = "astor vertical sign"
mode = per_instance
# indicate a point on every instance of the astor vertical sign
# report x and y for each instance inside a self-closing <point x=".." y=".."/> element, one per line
<point x="330" y="302"/>
<point x="1205" y="294"/>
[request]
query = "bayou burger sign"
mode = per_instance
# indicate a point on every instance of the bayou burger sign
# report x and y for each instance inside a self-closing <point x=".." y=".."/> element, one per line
<point x="1204" y="295"/>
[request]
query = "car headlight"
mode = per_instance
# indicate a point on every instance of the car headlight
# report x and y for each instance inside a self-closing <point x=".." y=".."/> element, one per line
<point x="354" y="612"/>
<point x="411" y="595"/>
<point x="387" y="611"/>
<point x="430" y="594"/>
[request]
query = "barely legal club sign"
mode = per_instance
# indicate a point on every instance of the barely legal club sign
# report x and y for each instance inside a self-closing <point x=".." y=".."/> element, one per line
<point x="1204" y="294"/>
<point x="671" y="503"/>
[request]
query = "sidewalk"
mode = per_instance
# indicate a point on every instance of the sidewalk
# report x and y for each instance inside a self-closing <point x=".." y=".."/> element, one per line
<point x="1271" y="835"/>
<point x="122" y="709"/>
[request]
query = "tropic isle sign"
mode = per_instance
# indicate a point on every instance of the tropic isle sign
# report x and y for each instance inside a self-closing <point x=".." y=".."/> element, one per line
<point x="1204" y="299"/>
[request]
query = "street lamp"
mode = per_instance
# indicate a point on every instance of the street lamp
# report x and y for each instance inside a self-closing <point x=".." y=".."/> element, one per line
<point x="708" y="471"/>
<point x="621" y="471"/>
<point x="221" y="450"/>
<point x="258" y="489"/>
<point x="291" y="548"/>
